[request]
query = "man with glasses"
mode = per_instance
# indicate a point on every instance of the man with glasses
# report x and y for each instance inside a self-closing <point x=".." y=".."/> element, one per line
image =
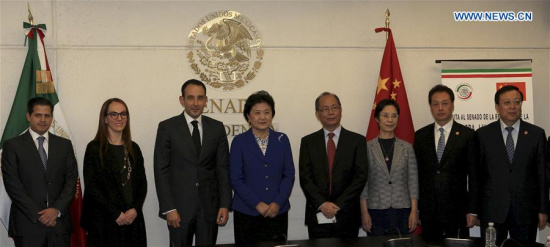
<point x="39" y="171"/>
<point x="512" y="172"/>
<point x="447" y="172"/>
<point x="192" y="172"/>
<point x="333" y="172"/>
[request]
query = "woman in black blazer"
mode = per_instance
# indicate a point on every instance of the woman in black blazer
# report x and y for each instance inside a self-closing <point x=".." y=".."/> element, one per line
<point x="114" y="181"/>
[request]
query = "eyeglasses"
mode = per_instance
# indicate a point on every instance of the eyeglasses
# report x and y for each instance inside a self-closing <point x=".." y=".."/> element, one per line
<point x="114" y="115"/>
<point x="328" y="109"/>
<point x="509" y="103"/>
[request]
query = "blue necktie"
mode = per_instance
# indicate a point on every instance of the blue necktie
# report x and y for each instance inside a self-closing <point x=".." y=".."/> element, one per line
<point x="42" y="152"/>
<point x="510" y="144"/>
<point x="440" y="144"/>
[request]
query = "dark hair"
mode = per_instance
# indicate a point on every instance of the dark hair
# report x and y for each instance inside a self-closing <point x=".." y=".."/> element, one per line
<point x="102" y="134"/>
<point x="383" y="103"/>
<point x="192" y="82"/>
<point x="256" y="98"/>
<point x="506" y="89"/>
<point x="441" y="89"/>
<point x="38" y="101"/>
<point x="325" y="94"/>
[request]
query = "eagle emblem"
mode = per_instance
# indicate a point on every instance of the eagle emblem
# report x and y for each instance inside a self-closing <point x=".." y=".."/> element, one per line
<point x="225" y="50"/>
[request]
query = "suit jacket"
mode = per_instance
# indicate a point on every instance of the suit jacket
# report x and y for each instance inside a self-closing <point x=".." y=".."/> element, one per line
<point x="349" y="175"/>
<point x="519" y="185"/>
<point x="185" y="181"/>
<point x="448" y="189"/>
<point x="256" y="177"/>
<point x="32" y="189"/>
<point x="394" y="188"/>
<point x="104" y="198"/>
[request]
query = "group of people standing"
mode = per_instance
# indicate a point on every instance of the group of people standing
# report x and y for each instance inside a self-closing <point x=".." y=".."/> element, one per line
<point x="449" y="180"/>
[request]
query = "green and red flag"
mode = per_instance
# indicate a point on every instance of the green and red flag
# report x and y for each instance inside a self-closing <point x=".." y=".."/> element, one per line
<point x="391" y="86"/>
<point x="36" y="80"/>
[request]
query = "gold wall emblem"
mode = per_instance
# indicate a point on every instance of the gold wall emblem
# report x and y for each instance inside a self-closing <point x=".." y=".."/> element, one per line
<point x="225" y="50"/>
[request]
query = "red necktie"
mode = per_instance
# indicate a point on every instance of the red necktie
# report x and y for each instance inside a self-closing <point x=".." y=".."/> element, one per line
<point x="331" y="151"/>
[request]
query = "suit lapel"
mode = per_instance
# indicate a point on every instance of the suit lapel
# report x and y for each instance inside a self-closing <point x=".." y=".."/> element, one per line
<point x="397" y="156"/>
<point x="320" y="140"/>
<point x="186" y="133"/>
<point x="379" y="156"/>
<point x="500" y="144"/>
<point x="454" y="135"/>
<point x="31" y="146"/>
<point x="255" y="148"/>
<point x="523" y="136"/>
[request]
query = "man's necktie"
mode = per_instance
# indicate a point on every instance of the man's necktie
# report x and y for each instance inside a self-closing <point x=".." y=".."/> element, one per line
<point x="331" y="152"/>
<point x="42" y="152"/>
<point x="196" y="137"/>
<point x="510" y="144"/>
<point x="441" y="144"/>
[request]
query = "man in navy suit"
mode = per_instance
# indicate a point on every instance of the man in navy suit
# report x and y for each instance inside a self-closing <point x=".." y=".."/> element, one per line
<point x="191" y="171"/>
<point x="40" y="172"/>
<point x="332" y="207"/>
<point x="447" y="172"/>
<point x="514" y="195"/>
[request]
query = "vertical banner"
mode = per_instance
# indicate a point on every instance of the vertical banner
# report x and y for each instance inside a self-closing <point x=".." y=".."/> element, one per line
<point x="391" y="85"/>
<point x="475" y="83"/>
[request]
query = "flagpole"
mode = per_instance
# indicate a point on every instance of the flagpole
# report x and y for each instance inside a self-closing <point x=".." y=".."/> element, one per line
<point x="31" y="19"/>
<point x="387" y="21"/>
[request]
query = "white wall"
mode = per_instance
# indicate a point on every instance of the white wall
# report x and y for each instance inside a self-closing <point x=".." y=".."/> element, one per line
<point x="136" y="50"/>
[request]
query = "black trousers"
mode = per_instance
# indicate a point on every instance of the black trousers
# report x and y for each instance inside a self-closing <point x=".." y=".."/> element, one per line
<point x="437" y="230"/>
<point x="336" y="230"/>
<point x="205" y="232"/>
<point x="526" y="234"/>
<point x="49" y="239"/>
<point x="252" y="229"/>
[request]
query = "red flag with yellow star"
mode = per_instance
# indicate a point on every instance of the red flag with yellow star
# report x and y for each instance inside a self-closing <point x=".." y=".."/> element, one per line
<point x="391" y="86"/>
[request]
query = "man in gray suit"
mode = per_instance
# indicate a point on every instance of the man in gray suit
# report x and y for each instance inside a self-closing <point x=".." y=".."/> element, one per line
<point x="40" y="172"/>
<point x="191" y="171"/>
<point x="333" y="171"/>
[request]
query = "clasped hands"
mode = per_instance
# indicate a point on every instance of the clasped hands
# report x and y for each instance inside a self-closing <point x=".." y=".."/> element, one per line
<point x="329" y="209"/>
<point x="48" y="217"/>
<point x="126" y="218"/>
<point x="266" y="211"/>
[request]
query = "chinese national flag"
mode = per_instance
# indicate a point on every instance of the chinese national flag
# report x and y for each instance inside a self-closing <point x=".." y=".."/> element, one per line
<point x="391" y="86"/>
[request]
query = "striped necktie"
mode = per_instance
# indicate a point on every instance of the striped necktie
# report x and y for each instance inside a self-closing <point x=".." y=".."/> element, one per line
<point x="441" y="144"/>
<point x="510" y="144"/>
<point x="42" y="152"/>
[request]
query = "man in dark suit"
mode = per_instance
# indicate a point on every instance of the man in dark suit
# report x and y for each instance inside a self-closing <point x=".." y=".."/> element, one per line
<point x="333" y="172"/>
<point x="447" y="172"/>
<point x="40" y="172"/>
<point x="191" y="171"/>
<point x="513" y="188"/>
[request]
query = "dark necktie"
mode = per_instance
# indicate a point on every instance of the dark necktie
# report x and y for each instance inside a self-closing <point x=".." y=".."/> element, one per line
<point x="42" y="152"/>
<point x="331" y="152"/>
<point x="510" y="144"/>
<point x="441" y="144"/>
<point x="196" y="137"/>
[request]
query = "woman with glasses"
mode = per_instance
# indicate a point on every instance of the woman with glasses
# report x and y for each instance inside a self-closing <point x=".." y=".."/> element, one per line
<point x="115" y="182"/>
<point x="389" y="199"/>
<point x="261" y="174"/>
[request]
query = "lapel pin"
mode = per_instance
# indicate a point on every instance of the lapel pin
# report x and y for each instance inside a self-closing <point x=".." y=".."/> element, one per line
<point x="525" y="132"/>
<point x="457" y="133"/>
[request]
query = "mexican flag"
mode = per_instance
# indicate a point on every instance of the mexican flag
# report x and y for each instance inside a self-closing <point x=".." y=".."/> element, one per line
<point x="36" y="80"/>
